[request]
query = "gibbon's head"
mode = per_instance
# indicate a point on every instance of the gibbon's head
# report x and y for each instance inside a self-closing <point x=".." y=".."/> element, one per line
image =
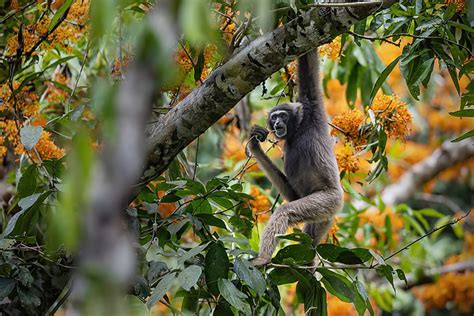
<point x="284" y="119"/>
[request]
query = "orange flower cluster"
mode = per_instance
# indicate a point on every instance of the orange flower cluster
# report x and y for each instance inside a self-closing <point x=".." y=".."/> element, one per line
<point x="393" y="115"/>
<point x="26" y="104"/>
<point x="25" y="101"/>
<point x="45" y="147"/>
<point x="54" y="94"/>
<point x="457" y="288"/>
<point x="460" y="4"/>
<point x="331" y="50"/>
<point x="453" y="287"/>
<point x="66" y="34"/>
<point x="291" y="67"/>
<point x="181" y="87"/>
<point x="259" y="204"/>
<point x="3" y="148"/>
<point x="349" y="123"/>
<point x="120" y="65"/>
<point x="346" y="158"/>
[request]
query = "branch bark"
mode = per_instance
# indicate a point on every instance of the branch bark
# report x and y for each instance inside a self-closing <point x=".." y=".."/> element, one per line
<point x="250" y="66"/>
<point x="447" y="155"/>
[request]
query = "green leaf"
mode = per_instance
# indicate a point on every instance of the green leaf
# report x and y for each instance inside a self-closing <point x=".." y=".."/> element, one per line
<point x="189" y="277"/>
<point x="298" y="236"/>
<point x="295" y="254"/>
<point x="232" y="295"/>
<point x="27" y="184"/>
<point x="30" y="135"/>
<point x="6" y="286"/>
<point x="191" y="253"/>
<point x="195" y="187"/>
<point x="344" y="255"/>
<point x="351" y="90"/>
<point x="284" y="275"/>
<point x="361" y="298"/>
<point x="216" y="266"/>
<point x="313" y="296"/>
<point x="199" y="66"/>
<point x="463" y="136"/>
<point x="209" y="219"/>
<point x="25" y="277"/>
<point x="387" y="271"/>
<point x="59" y="13"/>
<point x="160" y="290"/>
<point x="337" y="285"/>
<point x="250" y="275"/>
<point x="463" y="113"/>
<point x="383" y="76"/>
<point x="401" y="275"/>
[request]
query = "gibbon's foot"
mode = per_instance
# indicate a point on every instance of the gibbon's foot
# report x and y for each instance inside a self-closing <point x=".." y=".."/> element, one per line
<point x="258" y="133"/>
<point x="260" y="261"/>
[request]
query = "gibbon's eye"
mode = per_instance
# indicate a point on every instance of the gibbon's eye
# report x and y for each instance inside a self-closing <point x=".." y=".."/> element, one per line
<point x="284" y="115"/>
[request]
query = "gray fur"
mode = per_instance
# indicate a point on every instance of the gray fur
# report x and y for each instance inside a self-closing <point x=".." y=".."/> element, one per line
<point x="311" y="183"/>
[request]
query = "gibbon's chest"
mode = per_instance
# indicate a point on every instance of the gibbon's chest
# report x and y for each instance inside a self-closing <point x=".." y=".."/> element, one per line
<point x="303" y="169"/>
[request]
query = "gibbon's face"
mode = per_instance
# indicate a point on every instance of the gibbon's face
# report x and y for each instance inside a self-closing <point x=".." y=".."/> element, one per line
<point x="278" y="121"/>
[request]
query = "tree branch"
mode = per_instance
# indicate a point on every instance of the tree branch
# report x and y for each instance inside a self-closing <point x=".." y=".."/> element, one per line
<point x="250" y="66"/>
<point x="447" y="155"/>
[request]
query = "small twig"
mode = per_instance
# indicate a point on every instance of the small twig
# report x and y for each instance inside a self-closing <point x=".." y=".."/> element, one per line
<point x="373" y="39"/>
<point x="450" y="223"/>
<point x="196" y="159"/>
<point x="343" y="4"/>
<point x="66" y="106"/>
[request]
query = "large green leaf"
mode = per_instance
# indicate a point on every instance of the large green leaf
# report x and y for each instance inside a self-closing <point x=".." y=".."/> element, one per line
<point x="160" y="290"/>
<point x="284" y="275"/>
<point x="313" y="296"/>
<point x="383" y="76"/>
<point x="250" y="275"/>
<point x="335" y="253"/>
<point x="216" y="266"/>
<point x="295" y="254"/>
<point x="189" y="277"/>
<point x="232" y="295"/>
<point x="337" y="285"/>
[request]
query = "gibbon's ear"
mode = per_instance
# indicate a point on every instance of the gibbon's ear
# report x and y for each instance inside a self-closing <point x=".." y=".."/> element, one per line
<point x="297" y="108"/>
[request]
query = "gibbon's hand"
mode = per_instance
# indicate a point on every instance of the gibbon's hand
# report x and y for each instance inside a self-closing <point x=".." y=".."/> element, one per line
<point x="258" y="134"/>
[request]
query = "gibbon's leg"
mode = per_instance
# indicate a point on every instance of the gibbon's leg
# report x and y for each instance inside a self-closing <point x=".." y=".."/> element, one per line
<point x="317" y="231"/>
<point x="317" y="208"/>
<point x="276" y="177"/>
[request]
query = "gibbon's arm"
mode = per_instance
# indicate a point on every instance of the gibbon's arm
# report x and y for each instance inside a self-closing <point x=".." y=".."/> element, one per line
<point x="309" y="90"/>
<point x="277" y="178"/>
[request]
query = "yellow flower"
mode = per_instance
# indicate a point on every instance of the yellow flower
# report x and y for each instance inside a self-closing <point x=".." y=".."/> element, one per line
<point x="259" y="204"/>
<point x="460" y="4"/>
<point x="331" y="50"/>
<point x="393" y="114"/>
<point x="349" y="123"/>
<point x="346" y="158"/>
<point x="3" y="149"/>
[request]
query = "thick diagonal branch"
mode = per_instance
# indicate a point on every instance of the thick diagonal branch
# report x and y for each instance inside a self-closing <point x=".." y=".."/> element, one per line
<point x="447" y="155"/>
<point x="227" y="84"/>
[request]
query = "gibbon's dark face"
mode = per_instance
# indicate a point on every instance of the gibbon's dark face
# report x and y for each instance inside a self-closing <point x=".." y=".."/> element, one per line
<point x="283" y="119"/>
<point x="278" y="121"/>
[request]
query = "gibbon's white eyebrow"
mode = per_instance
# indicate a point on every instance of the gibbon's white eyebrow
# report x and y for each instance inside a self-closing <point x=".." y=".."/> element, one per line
<point x="277" y="112"/>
